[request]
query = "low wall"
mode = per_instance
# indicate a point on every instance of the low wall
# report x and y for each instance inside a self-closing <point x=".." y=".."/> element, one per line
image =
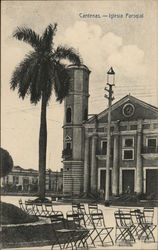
<point x="29" y="235"/>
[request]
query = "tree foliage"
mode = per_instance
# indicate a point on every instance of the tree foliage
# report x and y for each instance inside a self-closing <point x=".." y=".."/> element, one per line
<point x="41" y="72"/>
<point x="6" y="163"/>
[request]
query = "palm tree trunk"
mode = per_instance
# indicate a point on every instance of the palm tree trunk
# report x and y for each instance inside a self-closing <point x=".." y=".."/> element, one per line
<point x="42" y="147"/>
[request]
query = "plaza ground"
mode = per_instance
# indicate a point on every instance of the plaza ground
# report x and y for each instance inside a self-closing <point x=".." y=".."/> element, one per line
<point x="109" y="220"/>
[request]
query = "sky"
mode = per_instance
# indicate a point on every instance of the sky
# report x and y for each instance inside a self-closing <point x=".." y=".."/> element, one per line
<point x="124" y="35"/>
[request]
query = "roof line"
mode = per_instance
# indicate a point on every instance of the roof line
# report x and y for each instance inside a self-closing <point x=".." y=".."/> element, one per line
<point x="121" y="100"/>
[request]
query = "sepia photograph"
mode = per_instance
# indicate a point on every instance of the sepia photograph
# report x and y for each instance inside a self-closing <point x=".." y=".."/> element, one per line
<point x="79" y="125"/>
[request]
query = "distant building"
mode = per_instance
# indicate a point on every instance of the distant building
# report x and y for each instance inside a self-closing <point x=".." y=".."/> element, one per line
<point x="26" y="180"/>
<point x="134" y="143"/>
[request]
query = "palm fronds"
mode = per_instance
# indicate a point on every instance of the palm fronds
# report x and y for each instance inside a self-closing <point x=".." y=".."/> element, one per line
<point x="47" y="37"/>
<point x="42" y="70"/>
<point x="29" y="36"/>
<point x="62" y="82"/>
<point x="67" y="53"/>
<point x="22" y="74"/>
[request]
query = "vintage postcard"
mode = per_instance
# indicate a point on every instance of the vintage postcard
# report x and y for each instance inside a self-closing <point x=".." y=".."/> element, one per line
<point x="79" y="124"/>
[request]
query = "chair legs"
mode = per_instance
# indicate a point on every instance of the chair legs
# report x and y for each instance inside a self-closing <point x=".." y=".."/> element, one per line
<point x="147" y="232"/>
<point x="102" y="234"/>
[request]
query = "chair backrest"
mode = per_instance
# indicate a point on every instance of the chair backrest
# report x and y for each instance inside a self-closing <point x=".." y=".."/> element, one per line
<point x="76" y="207"/>
<point x="149" y="214"/>
<point x="139" y="216"/>
<point x="133" y="216"/>
<point x="118" y="219"/>
<point x="29" y="204"/>
<point x="58" y="219"/>
<point x="39" y="210"/>
<point x="92" y="207"/>
<point x="71" y="216"/>
<point x="82" y="208"/>
<point x="97" y="219"/>
<point x="126" y="218"/>
<point x="124" y="210"/>
<point x="48" y="206"/>
<point x="30" y="207"/>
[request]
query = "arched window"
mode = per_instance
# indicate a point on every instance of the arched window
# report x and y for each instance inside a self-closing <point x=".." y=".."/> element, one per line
<point x="68" y="115"/>
<point x="85" y="115"/>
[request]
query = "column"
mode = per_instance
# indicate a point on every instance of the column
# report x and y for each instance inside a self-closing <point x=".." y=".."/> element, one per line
<point x="115" y="167"/>
<point x="94" y="165"/>
<point x="139" y="167"/>
<point x="86" y="165"/>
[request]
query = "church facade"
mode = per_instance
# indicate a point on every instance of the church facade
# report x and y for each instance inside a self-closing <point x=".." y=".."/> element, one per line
<point x="134" y="143"/>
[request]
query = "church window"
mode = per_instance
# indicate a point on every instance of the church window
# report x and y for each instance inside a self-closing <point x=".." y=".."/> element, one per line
<point x="128" y="142"/>
<point x="151" y="145"/>
<point x="146" y="126"/>
<point x="133" y="127"/>
<point x="128" y="154"/>
<point x="68" y="145"/>
<point x="156" y="125"/>
<point x="103" y="147"/>
<point x="151" y="142"/>
<point x="68" y="115"/>
<point x="128" y="148"/>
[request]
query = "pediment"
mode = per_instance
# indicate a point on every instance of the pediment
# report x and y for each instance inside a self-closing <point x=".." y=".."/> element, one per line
<point x="126" y="109"/>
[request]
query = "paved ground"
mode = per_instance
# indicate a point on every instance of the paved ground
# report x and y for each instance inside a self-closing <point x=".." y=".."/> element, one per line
<point x="136" y="246"/>
<point x="109" y="220"/>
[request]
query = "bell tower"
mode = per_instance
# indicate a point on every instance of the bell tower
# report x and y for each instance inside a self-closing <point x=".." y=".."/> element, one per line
<point x="75" y="113"/>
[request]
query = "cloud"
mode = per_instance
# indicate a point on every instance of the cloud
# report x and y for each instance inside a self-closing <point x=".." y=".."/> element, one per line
<point x="128" y="60"/>
<point x="93" y="45"/>
<point x="100" y="50"/>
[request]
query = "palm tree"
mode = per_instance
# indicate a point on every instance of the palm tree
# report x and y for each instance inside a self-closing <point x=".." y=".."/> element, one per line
<point x="41" y="72"/>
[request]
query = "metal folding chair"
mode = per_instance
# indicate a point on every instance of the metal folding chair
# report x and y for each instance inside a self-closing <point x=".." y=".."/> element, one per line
<point x="39" y="210"/>
<point x="92" y="207"/>
<point x="82" y="210"/>
<point x="75" y="207"/>
<point x="30" y="207"/>
<point x="145" y="229"/>
<point x="102" y="232"/>
<point x="135" y="223"/>
<point x="49" y="211"/>
<point x="64" y="237"/>
<point x="80" y="228"/>
<point x="124" y="231"/>
<point x="149" y="214"/>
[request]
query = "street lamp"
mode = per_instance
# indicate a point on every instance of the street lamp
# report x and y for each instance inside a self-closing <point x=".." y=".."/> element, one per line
<point x="110" y="84"/>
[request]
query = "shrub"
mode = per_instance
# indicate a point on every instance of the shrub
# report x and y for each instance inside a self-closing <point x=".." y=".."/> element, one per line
<point x="10" y="214"/>
<point x="6" y="163"/>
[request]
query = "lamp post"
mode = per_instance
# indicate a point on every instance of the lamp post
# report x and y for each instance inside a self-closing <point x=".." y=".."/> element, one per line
<point x="110" y="84"/>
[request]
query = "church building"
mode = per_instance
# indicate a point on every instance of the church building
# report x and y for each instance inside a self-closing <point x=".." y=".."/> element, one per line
<point x="134" y="143"/>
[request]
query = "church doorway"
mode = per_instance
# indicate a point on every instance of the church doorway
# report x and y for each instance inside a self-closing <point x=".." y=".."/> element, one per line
<point x="128" y="181"/>
<point x="152" y="182"/>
